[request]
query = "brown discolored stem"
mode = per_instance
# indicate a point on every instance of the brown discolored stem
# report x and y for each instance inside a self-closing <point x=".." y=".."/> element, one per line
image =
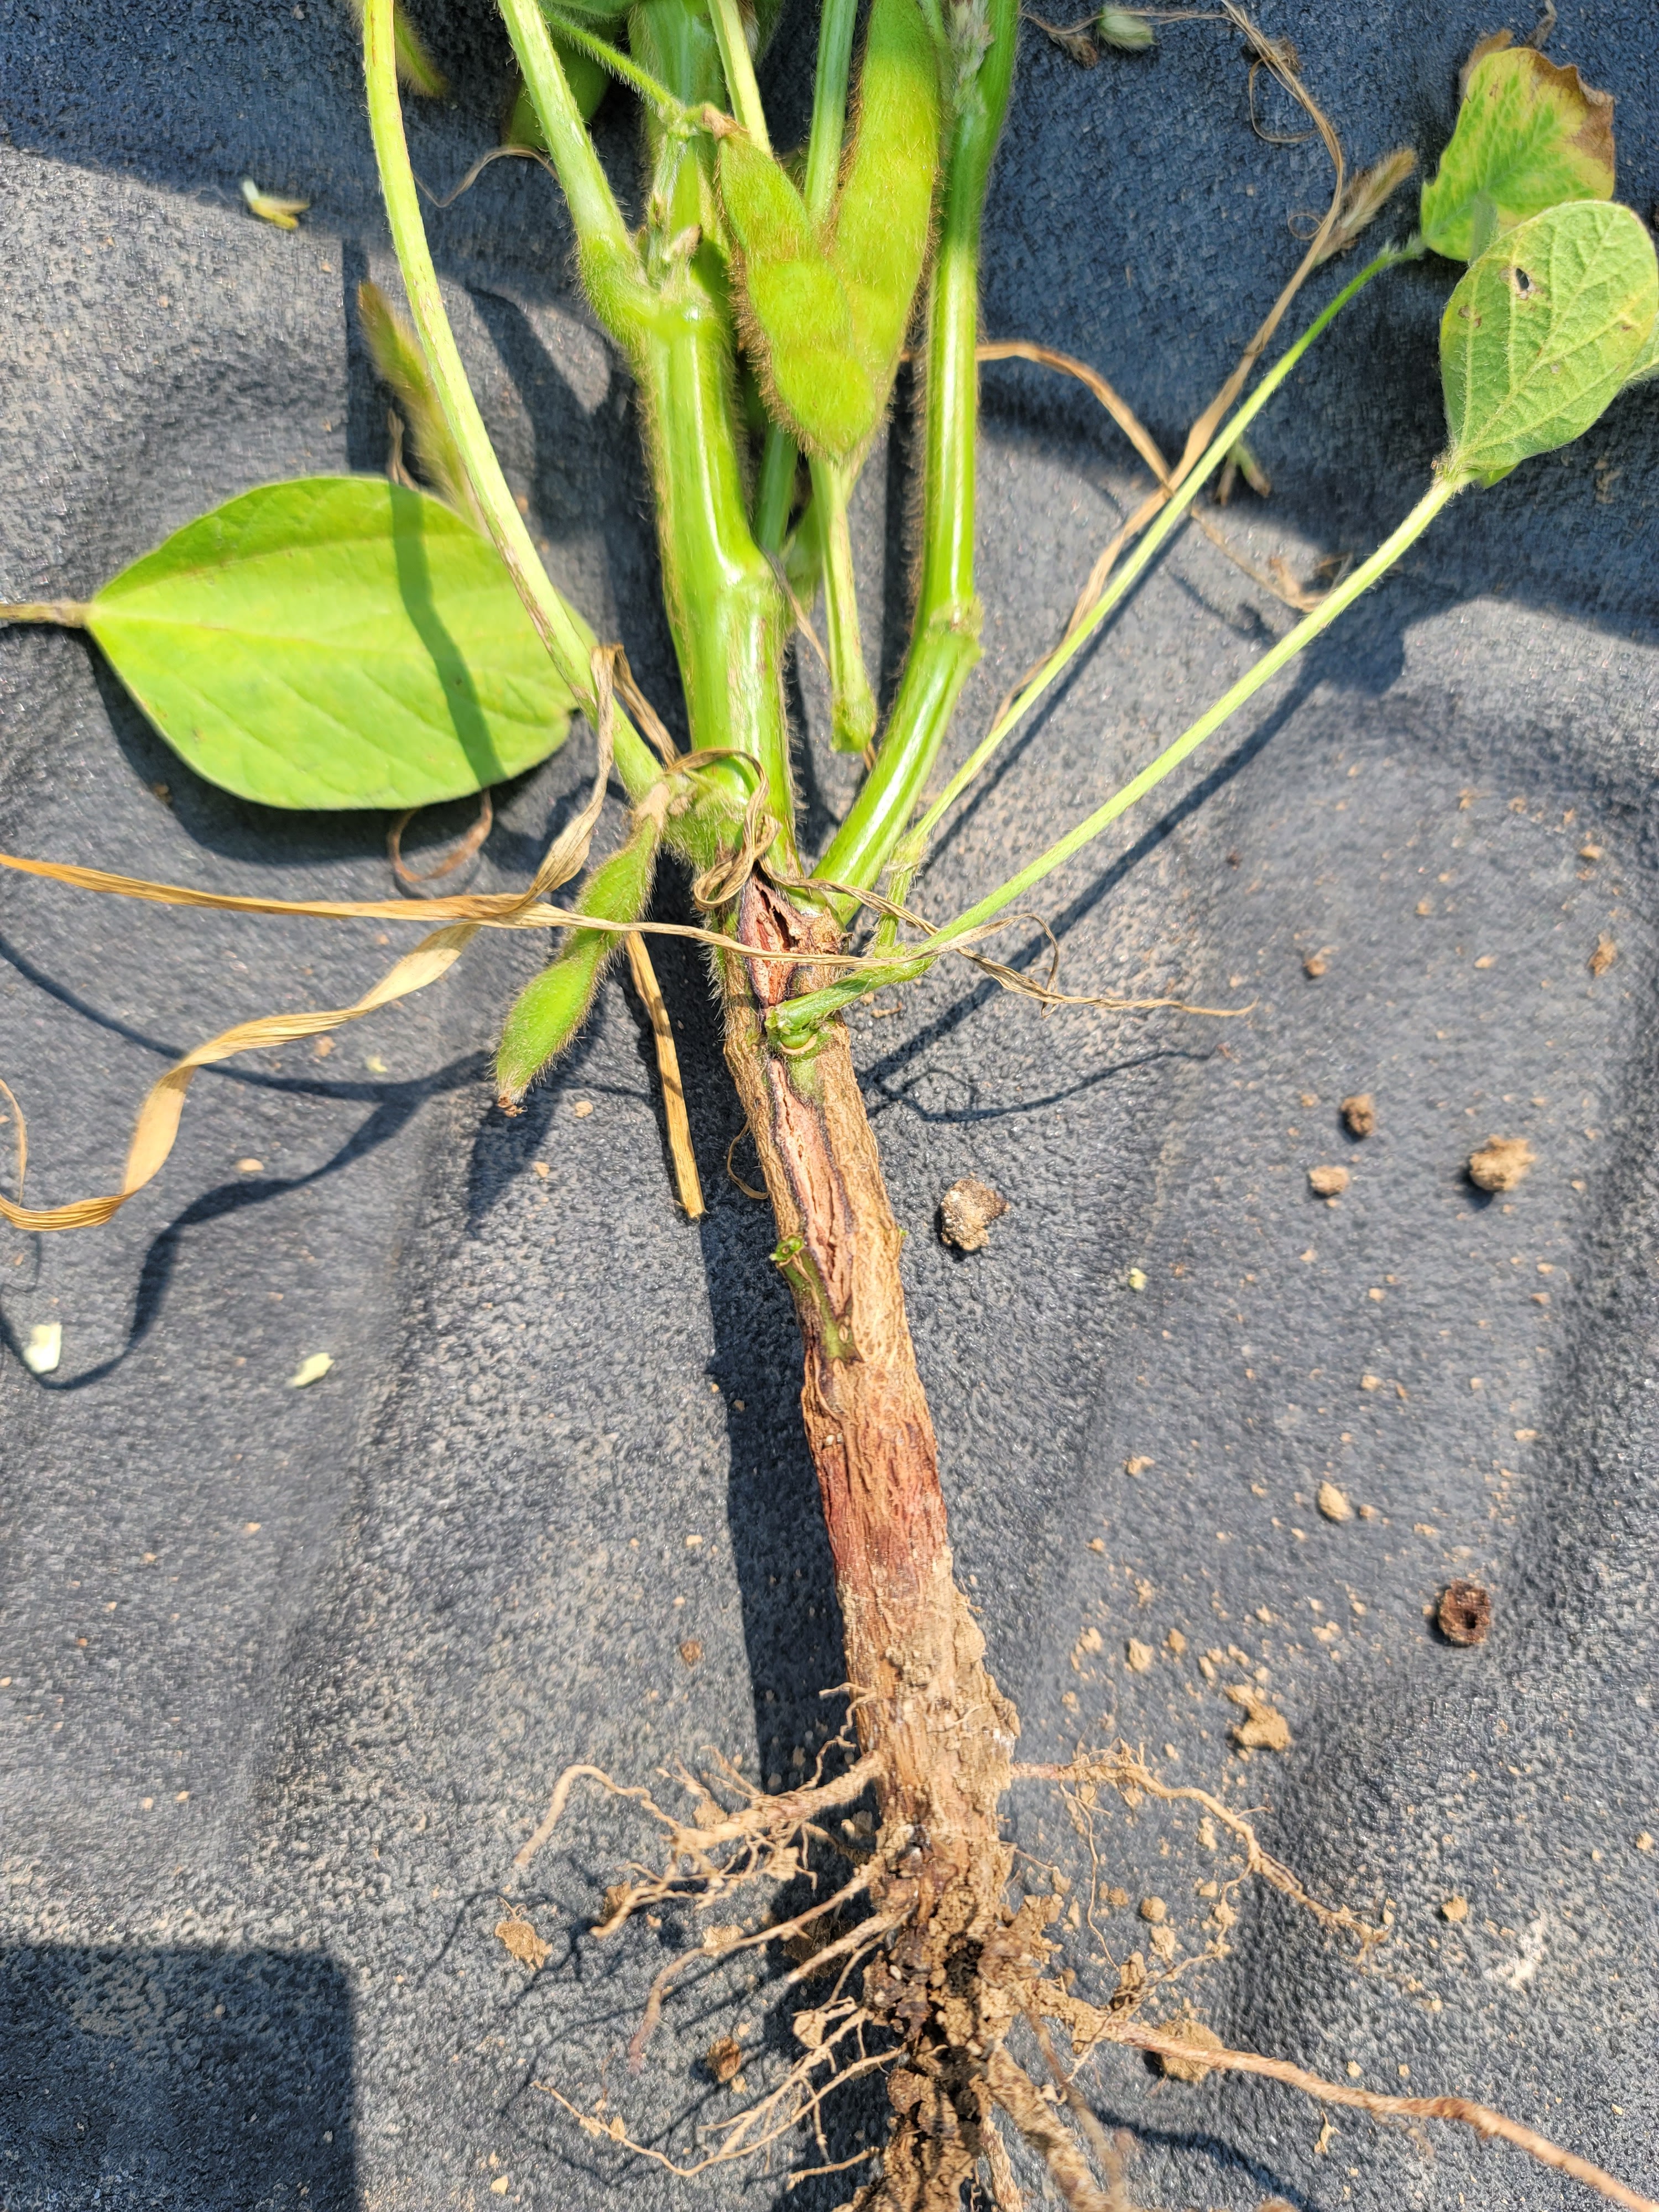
<point x="923" y="1698"/>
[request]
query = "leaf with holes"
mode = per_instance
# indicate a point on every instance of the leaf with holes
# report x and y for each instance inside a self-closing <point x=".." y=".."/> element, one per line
<point x="1542" y="332"/>
<point x="1528" y="136"/>
<point x="332" y="642"/>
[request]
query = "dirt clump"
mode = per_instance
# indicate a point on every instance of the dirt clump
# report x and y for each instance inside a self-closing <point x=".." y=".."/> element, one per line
<point x="1359" y="1113"/>
<point x="1455" y="1909"/>
<point x="523" y="1942"/>
<point x="1465" y="1613"/>
<point x="1196" y="2037"/>
<point x="1328" y="1182"/>
<point x="966" y="1212"/>
<point x="1500" y="1164"/>
<point x="723" y="2059"/>
<point x="1605" y="954"/>
<point x="1266" y="1728"/>
<point x="1333" y="1503"/>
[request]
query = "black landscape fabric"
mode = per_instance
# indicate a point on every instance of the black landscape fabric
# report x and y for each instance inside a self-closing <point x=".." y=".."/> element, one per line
<point x="288" y="1674"/>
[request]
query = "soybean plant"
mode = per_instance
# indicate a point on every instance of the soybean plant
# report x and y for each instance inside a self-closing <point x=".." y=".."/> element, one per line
<point x="345" y="643"/>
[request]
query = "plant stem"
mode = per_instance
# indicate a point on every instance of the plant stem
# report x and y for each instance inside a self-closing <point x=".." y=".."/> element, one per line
<point x="739" y="65"/>
<point x="774" y="489"/>
<point x="912" y="1649"/>
<point x="725" y="608"/>
<point x="569" y="640"/>
<point x="67" y="613"/>
<point x="617" y="64"/>
<point x="944" y="641"/>
<point x="793" y="1023"/>
<point x="830" y="82"/>
<point x="851" y="702"/>
<point x="724" y="603"/>
<point x="609" y="262"/>
<point x="1223" y="443"/>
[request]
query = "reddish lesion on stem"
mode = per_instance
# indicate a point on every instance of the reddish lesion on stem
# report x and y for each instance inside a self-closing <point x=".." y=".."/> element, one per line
<point x="923" y="1697"/>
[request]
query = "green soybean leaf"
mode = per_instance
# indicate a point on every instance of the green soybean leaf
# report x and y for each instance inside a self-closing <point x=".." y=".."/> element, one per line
<point x="823" y="311"/>
<point x="334" y="642"/>
<point x="1542" y="332"/>
<point x="1528" y="136"/>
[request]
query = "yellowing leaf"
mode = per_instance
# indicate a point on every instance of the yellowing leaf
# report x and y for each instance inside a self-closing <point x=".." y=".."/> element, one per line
<point x="1542" y="332"/>
<point x="285" y="214"/>
<point x="1528" y="136"/>
<point x="310" y="1370"/>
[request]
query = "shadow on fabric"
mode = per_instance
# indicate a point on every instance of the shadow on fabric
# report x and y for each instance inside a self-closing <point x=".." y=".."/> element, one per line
<point x="180" y="2076"/>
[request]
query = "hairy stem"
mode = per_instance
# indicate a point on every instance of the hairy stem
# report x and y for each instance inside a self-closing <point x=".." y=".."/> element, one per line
<point x="945" y="641"/>
<point x="569" y="640"/>
<point x="853" y="703"/>
<point x="739" y="65"/>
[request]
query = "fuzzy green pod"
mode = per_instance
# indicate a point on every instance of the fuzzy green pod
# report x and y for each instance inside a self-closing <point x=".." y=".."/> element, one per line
<point x="884" y="211"/>
<point x="553" y="1005"/>
<point x="824" y="309"/>
<point x="1131" y="33"/>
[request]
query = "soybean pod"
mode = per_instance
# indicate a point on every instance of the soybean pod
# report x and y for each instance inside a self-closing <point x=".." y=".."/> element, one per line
<point x="553" y="1005"/>
<point x="824" y="305"/>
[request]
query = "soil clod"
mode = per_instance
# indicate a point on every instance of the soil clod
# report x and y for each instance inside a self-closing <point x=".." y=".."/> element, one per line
<point x="1328" y="1182"/>
<point x="1197" y="2037"/>
<point x="523" y="1942"/>
<point x="1501" y="1163"/>
<point x="723" y="2059"/>
<point x="1605" y="954"/>
<point x="1465" y="1614"/>
<point x="1455" y="1909"/>
<point x="1266" y="1729"/>
<point x="966" y="1212"/>
<point x="1333" y="1503"/>
<point x="1359" y="1113"/>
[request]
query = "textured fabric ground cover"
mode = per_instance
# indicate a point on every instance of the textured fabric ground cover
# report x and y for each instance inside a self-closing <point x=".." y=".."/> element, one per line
<point x="342" y="1639"/>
